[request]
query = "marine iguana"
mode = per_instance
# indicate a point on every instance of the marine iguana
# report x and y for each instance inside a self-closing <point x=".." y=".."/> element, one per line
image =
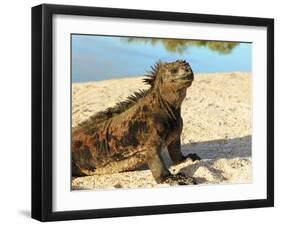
<point x="133" y="132"/>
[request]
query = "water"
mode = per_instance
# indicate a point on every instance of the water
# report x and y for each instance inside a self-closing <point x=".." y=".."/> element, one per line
<point x="106" y="57"/>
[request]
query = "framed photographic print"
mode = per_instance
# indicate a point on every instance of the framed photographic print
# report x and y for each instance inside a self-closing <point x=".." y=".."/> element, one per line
<point x="145" y="112"/>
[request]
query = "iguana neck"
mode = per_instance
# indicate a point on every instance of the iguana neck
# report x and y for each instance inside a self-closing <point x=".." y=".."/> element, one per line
<point x="171" y="98"/>
<point x="171" y="109"/>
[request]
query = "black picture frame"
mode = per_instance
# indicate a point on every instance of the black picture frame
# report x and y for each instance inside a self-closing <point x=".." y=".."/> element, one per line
<point x="42" y="107"/>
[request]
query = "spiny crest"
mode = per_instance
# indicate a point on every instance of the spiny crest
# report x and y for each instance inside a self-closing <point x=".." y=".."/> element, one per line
<point x="111" y="111"/>
<point x="151" y="75"/>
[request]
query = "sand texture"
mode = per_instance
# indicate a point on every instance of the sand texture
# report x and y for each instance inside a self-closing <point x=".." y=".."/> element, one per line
<point x="217" y="127"/>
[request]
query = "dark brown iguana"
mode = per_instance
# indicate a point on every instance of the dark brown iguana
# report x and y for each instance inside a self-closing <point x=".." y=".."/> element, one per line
<point x="133" y="133"/>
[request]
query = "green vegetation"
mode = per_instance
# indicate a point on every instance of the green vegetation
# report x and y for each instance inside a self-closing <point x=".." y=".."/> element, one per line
<point x="180" y="45"/>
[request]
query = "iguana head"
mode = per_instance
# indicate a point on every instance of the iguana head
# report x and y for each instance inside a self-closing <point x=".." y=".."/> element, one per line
<point x="171" y="80"/>
<point x="175" y="75"/>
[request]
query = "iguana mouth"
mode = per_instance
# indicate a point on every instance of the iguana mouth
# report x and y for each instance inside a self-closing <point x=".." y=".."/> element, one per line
<point x="188" y="77"/>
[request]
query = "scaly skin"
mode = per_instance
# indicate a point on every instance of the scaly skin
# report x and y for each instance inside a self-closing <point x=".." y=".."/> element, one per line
<point x="133" y="133"/>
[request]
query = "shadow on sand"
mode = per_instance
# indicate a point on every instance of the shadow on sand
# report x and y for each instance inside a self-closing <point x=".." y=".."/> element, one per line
<point x="211" y="151"/>
<point x="223" y="148"/>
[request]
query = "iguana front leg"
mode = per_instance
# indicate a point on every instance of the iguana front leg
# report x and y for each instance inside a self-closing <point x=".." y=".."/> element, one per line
<point x="160" y="172"/>
<point x="156" y="164"/>
<point x="174" y="149"/>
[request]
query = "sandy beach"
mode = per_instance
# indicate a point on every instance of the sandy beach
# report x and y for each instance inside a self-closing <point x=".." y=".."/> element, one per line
<point x="217" y="127"/>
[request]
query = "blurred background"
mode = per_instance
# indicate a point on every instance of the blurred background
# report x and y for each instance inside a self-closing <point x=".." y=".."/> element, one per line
<point x="107" y="57"/>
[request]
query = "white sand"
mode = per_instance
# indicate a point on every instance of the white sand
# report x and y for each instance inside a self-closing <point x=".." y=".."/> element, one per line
<point x="217" y="127"/>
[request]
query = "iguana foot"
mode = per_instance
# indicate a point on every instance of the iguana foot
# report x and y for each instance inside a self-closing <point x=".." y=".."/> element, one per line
<point x="179" y="179"/>
<point x="192" y="156"/>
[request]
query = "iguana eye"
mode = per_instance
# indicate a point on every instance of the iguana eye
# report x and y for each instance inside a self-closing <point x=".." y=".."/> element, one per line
<point x="174" y="70"/>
